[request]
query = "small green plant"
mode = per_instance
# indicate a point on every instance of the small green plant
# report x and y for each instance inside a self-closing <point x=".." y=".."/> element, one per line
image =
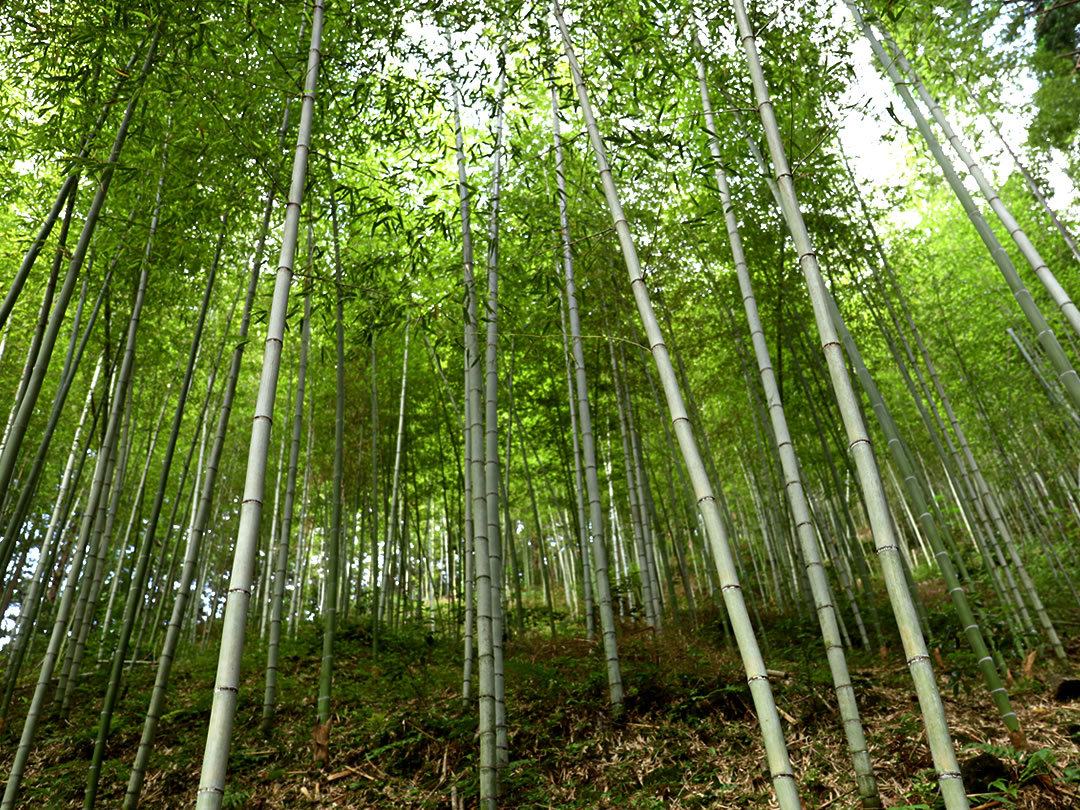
<point x="1036" y="763"/>
<point x="1005" y="793"/>
<point x="924" y="784"/>
<point x="235" y="798"/>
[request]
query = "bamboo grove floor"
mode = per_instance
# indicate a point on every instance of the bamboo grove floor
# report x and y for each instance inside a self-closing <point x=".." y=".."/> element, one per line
<point x="400" y="738"/>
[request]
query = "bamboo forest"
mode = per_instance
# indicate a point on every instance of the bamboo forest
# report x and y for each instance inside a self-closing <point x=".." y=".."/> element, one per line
<point x="470" y="405"/>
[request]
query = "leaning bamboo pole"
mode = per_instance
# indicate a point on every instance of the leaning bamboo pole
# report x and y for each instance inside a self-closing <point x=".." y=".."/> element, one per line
<point x="757" y="677"/>
<point x="223" y="710"/>
<point x="793" y="485"/>
<point x="946" y="766"/>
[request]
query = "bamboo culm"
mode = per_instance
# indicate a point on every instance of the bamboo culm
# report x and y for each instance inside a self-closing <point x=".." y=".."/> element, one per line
<point x="78" y="257"/>
<point x="588" y="441"/>
<point x="223" y="710"/>
<point x="944" y="756"/>
<point x="769" y="719"/>
<point x="823" y="603"/>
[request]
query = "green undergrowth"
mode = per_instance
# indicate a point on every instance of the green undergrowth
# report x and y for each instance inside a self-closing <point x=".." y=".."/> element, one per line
<point x="402" y="737"/>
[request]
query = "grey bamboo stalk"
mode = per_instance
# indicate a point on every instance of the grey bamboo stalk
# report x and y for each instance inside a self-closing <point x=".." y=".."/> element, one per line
<point x="223" y="710"/>
<point x="1062" y="366"/>
<point x="191" y="555"/>
<point x="656" y="546"/>
<point x="1057" y="293"/>
<point x="913" y="487"/>
<point x="467" y="546"/>
<point x="588" y="441"/>
<point x="916" y="487"/>
<point x="944" y="756"/>
<point x="481" y="559"/>
<point x="854" y="550"/>
<point x="1036" y="192"/>
<point x="478" y="554"/>
<point x="757" y="677"/>
<point x="839" y="565"/>
<point x="491" y="434"/>
<point x="804" y="525"/>
<point x="270" y="694"/>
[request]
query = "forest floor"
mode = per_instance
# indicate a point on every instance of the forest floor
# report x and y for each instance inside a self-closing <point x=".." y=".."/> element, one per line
<point x="400" y="737"/>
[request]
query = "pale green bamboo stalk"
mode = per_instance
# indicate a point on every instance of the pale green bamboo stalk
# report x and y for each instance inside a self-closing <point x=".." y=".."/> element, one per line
<point x="90" y="518"/>
<point x="133" y="517"/>
<point x="67" y="191"/>
<point x="757" y="677"/>
<point x="14" y="439"/>
<point x="491" y="436"/>
<point x="804" y="524"/>
<point x="654" y="545"/>
<point x="270" y="692"/>
<point x="329" y="615"/>
<point x="648" y="602"/>
<point x="28" y="613"/>
<point x="138" y="579"/>
<point x="264" y="585"/>
<point x="918" y="658"/>
<point x="579" y="482"/>
<point x="223" y="710"/>
<point x="588" y="441"/>
<point x="480" y="556"/>
<point x="296" y="603"/>
<point x="913" y="486"/>
<point x="677" y="516"/>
